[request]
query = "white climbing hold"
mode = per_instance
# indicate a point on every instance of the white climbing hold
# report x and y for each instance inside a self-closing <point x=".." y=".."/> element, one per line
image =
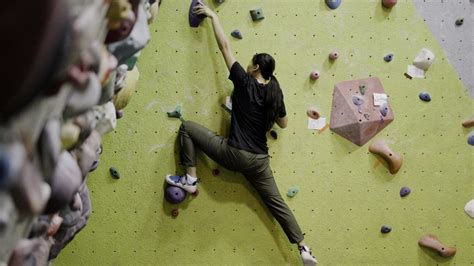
<point x="424" y="59"/>
<point x="469" y="208"/>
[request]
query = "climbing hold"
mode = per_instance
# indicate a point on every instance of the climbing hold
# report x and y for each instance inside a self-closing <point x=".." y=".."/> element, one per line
<point x="114" y="172"/>
<point x="367" y="116"/>
<point x="174" y="213"/>
<point x="432" y="242"/>
<point x="424" y="96"/>
<point x="404" y="191"/>
<point x="469" y="208"/>
<point x="274" y="134"/>
<point x="174" y="194"/>
<point x="236" y="34"/>
<point x="358" y="101"/>
<point x="176" y="113"/>
<point x="257" y="14"/>
<point x="459" y="21"/>
<point x="393" y="160"/>
<point x="362" y="89"/>
<point x="388" y="57"/>
<point x="470" y="139"/>
<point x="333" y="4"/>
<point x="119" y="114"/>
<point x="293" y="191"/>
<point x="314" y="75"/>
<point x="424" y="59"/>
<point x="383" y="110"/>
<point x="194" y="19"/>
<point x="334" y="55"/>
<point x="313" y="113"/>
<point x="219" y="1"/>
<point x="215" y="172"/>
<point x="468" y="123"/>
<point x="385" y="229"/>
<point x="195" y="193"/>
<point x="389" y="3"/>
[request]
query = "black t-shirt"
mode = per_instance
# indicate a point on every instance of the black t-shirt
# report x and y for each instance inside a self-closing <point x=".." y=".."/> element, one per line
<point x="248" y="127"/>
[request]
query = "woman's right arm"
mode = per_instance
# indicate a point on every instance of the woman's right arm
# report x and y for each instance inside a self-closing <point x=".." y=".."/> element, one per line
<point x="221" y="38"/>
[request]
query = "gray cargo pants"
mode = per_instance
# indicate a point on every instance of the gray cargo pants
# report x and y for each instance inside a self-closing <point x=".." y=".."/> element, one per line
<point x="255" y="168"/>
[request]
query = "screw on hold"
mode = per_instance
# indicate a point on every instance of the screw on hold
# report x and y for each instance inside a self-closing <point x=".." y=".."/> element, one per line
<point x="470" y="140"/>
<point x="459" y="21"/>
<point x="114" y="172"/>
<point x="174" y="213"/>
<point x="333" y="4"/>
<point x="274" y="134"/>
<point x="362" y="89"/>
<point x="404" y="191"/>
<point x="257" y="14"/>
<point x="367" y="116"/>
<point x="314" y="75"/>
<point x="359" y="101"/>
<point x="176" y="113"/>
<point x="119" y="114"/>
<point x="334" y="55"/>
<point x="385" y="229"/>
<point x="293" y="191"/>
<point x="236" y="34"/>
<point x="388" y="57"/>
<point x="424" y="96"/>
<point x="383" y="110"/>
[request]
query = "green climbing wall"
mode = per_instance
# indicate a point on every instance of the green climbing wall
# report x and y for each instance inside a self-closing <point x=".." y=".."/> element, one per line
<point x="345" y="196"/>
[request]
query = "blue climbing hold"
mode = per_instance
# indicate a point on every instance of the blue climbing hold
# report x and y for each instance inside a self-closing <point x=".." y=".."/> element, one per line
<point x="388" y="57"/>
<point x="383" y="110"/>
<point x="236" y="34"/>
<point x="470" y="140"/>
<point x="424" y="96"/>
<point x="357" y="100"/>
<point x="4" y="169"/>
<point x="194" y="19"/>
<point x="404" y="191"/>
<point x="333" y="4"/>
<point x="385" y="229"/>
<point x="292" y="191"/>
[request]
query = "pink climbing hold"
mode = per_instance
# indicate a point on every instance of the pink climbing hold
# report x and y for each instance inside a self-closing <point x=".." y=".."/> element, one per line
<point x="389" y="3"/>
<point x="314" y="75"/>
<point x="334" y="55"/>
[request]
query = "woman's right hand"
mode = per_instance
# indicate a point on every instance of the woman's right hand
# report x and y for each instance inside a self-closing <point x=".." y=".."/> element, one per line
<point x="202" y="9"/>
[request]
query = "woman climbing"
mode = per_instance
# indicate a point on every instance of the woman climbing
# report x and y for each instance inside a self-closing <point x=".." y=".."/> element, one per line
<point x="257" y="103"/>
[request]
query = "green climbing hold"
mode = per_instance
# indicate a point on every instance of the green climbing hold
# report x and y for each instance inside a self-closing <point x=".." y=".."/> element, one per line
<point x="292" y="191"/>
<point x="362" y="89"/>
<point x="115" y="174"/>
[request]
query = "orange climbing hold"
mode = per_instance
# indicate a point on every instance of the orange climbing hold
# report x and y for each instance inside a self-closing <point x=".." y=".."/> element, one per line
<point x="393" y="160"/>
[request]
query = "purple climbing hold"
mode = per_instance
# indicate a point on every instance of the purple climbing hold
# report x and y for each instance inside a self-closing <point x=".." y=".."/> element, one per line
<point x="333" y="4"/>
<point x="383" y="110"/>
<point x="236" y="34"/>
<point x="404" y="191"/>
<point x="194" y="19"/>
<point x="274" y="134"/>
<point x="175" y="194"/>
<point x="385" y="229"/>
<point x="470" y="140"/>
<point x="119" y="114"/>
<point x="388" y="57"/>
<point x="424" y="96"/>
<point x="357" y="100"/>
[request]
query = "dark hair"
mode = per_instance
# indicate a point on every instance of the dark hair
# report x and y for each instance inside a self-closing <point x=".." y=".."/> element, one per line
<point x="273" y="93"/>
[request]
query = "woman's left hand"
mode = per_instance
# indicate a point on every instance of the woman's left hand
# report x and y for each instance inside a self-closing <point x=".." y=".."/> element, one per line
<point x="202" y="9"/>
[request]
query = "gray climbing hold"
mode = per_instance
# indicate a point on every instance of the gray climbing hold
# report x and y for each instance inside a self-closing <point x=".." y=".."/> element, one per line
<point x="385" y="229"/>
<point x="404" y="191"/>
<point x="383" y="110"/>
<point x="236" y="34"/>
<point x="176" y="113"/>
<point x="362" y="89"/>
<point x="114" y="172"/>
<point x="333" y="4"/>
<point x="424" y="96"/>
<point x="388" y="57"/>
<point x="359" y="101"/>
<point x="470" y="139"/>
<point x="459" y="21"/>
<point x="367" y="116"/>
<point x="293" y="191"/>
<point x="257" y="14"/>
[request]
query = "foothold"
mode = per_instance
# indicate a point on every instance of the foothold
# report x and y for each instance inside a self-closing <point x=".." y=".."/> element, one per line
<point x="388" y="57"/>
<point x="404" y="191"/>
<point x="257" y="14"/>
<point x="174" y="213"/>
<point x="470" y="139"/>
<point x="119" y="114"/>
<point x="424" y="96"/>
<point x="358" y="101"/>
<point x="393" y="159"/>
<point x="195" y="19"/>
<point x="383" y="110"/>
<point x="174" y="194"/>
<point x="293" y="191"/>
<point x="385" y="229"/>
<point x="114" y="172"/>
<point x="362" y="89"/>
<point x="314" y="75"/>
<point x="459" y="21"/>
<point x="389" y="3"/>
<point x="469" y="208"/>
<point x="432" y="242"/>
<point x="333" y="4"/>
<point x="176" y="113"/>
<point x="468" y="123"/>
<point x="236" y="34"/>
<point x="216" y="172"/>
<point x="313" y="113"/>
<point x="274" y="134"/>
<point x="424" y="59"/>
<point x="334" y="55"/>
<point x="367" y="116"/>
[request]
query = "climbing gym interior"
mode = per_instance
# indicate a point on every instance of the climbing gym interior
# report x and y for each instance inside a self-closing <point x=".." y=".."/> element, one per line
<point x="376" y="163"/>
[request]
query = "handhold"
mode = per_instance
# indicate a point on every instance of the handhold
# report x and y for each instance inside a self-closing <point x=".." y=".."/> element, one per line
<point x="174" y="213"/>
<point x="424" y="59"/>
<point x="404" y="191"/>
<point x="383" y="109"/>
<point x="388" y="57"/>
<point x="292" y="191"/>
<point x="313" y="113"/>
<point x="469" y="208"/>
<point x="393" y="159"/>
<point x="358" y="101"/>
<point x="257" y="14"/>
<point x="23" y="252"/>
<point x="314" y="75"/>
<point x="154" y="8"/>
<point x="118" y="11"/>
<point x="367" y="116"/>
<point x="88" y="153"/>
<point x="76" y="203"/>
<point x="274" y="134"/>
<point x="69" y="134"/>
<point x="424" y="96"/>
<point x="12" y="158"/>
<point x="176" y="113"/>
<point x="195" y="19"/>
<point x="470" y="139"/>
<point x="334" y="55"/>
<point x="119" y="114"/>
<point x="122" y="98"/>
<point x="216" y="172"/>
<point x="333" y="4"/>
<point x="105" y="117"/>
<point x="236" y="34"/>
<point x="389" y="3"/>
<point x="114" y="172"/>
<point x="385" y="229"/>
<point x="82" y="100"/>
<point x="468" y="123"/>
<point x="174" y="194"/>
<point x="432" y="242"/>
<point x="459" y="21"/>
<point x="362" y="89"/>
